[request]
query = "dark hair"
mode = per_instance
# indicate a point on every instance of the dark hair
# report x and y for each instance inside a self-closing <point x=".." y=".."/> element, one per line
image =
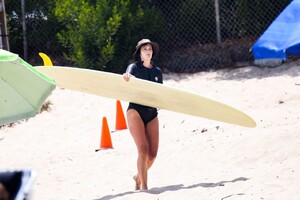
<point x="137" y="53"/>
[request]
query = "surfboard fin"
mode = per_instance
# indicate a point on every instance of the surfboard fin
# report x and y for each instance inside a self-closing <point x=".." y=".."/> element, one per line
<point x="47" y="61"/>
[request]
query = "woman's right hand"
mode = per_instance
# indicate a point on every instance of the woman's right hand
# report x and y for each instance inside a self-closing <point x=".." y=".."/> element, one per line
<point x="127" y="76"/>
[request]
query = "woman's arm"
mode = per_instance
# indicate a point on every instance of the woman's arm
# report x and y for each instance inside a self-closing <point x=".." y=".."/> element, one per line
<point x="130" y="71"/>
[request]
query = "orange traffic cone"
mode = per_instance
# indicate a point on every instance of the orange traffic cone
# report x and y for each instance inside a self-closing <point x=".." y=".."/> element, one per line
<point x="105" y="142"/>
<point x="120" y="118"/>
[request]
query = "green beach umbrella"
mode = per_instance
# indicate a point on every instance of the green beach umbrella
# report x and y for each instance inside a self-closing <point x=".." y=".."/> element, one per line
<point x="23" y="89"/>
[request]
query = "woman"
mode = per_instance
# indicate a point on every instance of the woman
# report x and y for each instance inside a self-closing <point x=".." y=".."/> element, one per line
<point x="142" y="120"/>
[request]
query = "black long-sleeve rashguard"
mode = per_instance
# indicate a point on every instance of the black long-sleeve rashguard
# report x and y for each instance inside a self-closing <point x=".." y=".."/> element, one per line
<point x="153" y="74"/>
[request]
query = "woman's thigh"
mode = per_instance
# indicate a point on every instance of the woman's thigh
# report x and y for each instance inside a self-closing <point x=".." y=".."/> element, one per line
<point x="137" y="130"/>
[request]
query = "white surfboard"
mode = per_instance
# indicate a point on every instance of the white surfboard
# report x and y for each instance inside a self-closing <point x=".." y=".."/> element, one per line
<point x="146" y="93"/>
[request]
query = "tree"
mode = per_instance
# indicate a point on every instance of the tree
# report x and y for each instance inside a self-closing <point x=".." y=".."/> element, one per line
<point x="100" y="34"/>
<point x="41" y="27"/>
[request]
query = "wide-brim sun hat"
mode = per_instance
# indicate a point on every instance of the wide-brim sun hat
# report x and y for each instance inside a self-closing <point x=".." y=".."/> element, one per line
<point x="155" y="48"/>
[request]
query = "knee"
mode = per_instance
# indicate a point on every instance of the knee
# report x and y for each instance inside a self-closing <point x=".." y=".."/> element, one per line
<point x="144" y="151"/>
<point x="152" y="155"/>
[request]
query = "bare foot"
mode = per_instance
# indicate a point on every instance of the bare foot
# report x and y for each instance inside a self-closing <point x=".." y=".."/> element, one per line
<point x="137" y="182"/>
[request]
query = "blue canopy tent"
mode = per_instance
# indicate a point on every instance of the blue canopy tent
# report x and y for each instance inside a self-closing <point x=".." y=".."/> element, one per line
<point x="282" y="37"/>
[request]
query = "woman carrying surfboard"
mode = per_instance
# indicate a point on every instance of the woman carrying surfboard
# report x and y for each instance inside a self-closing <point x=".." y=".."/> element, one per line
<point x="142" y="120"/>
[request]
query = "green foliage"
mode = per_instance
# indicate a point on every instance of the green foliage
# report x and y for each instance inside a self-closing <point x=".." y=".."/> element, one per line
<point x="202" y="13"/>
<point x="100" y="34"/>
<point x="178" y="32"/>
<point x="41" y="27"/>
<point x="259" y="21"/>
<point x="238" y="19"/>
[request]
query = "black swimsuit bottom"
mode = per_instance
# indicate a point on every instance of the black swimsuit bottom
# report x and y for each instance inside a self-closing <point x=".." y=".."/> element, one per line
<point x="147" y="113"/>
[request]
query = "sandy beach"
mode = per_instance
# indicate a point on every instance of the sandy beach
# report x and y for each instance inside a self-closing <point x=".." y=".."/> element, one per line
<point x="197" y="158"/>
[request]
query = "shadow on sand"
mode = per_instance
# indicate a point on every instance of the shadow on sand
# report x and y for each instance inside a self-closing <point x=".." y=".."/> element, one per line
<point x="159" y="190"/>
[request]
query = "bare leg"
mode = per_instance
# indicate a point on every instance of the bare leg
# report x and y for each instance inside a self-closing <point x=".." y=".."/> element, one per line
<point x="152" y="134"/>
<point x="137" y="130"/>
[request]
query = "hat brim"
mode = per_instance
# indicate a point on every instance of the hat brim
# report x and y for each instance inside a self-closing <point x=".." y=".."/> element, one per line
<point x="155" y="48"/>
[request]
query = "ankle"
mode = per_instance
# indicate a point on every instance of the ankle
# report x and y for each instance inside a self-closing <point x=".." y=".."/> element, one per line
<point x="143" y="187"/>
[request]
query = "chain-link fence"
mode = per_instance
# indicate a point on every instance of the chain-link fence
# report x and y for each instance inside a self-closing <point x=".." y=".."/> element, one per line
<point x="33" y="29"/>
<point x="213" y="34"/>
<point x="197" y="34"/>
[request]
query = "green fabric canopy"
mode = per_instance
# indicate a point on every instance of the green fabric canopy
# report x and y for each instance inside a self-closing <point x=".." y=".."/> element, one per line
<point x="23" y="89"/>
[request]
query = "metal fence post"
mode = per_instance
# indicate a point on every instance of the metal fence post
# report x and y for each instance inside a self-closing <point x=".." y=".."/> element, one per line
<point x="218" y="28"/>
<point x="3" y="21"/>
<point x="24" y="29"/>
